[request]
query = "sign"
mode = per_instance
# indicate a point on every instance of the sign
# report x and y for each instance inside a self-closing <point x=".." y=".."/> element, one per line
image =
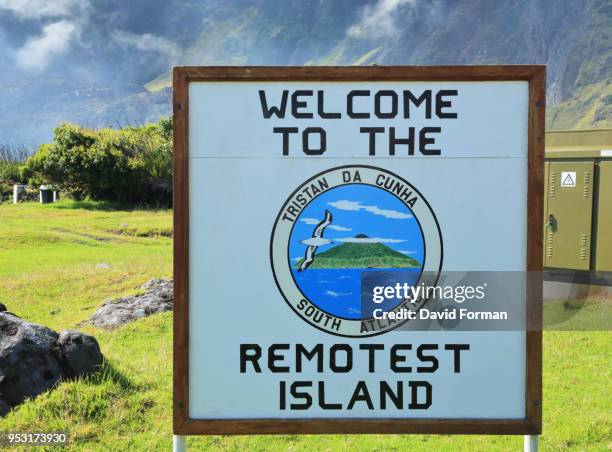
<point x="319" y="215"/>
<point x="568" y="178"/>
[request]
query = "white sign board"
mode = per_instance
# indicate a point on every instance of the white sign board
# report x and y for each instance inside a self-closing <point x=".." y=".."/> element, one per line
<point x="311" y="205"/>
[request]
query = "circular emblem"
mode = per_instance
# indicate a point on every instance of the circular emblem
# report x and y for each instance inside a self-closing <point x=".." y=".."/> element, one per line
<point x="348" y="242"/>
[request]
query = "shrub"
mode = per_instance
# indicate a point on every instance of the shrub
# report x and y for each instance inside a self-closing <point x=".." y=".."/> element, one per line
<point x="131" y="165"/>
<point x="5" y="192"/>
<point x="11" y="160"/>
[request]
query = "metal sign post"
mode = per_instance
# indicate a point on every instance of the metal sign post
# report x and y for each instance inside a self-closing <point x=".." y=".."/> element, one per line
<point x="531" y="443"/>
<point x="179" y="443"/>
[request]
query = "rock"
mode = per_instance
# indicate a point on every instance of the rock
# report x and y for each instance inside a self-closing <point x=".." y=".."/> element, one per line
<point x="4" y="408"/>
<point x="158" y="297"/>
<point x="28" y="362"/>
<point x="80" y="353"/>
<point x="103" y="265"/>
<point x="34" y="358"/>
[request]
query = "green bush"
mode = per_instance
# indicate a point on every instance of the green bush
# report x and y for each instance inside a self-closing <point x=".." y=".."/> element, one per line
<point x="11" y="160"/>
<point x="131" y="165"/>
<point x="5" y="192"/>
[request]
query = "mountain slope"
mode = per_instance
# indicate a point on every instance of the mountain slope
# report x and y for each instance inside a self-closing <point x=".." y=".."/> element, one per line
<point x="571" y="38"/>
<point x="589" y="106"/>
<point x="113" y="69"/>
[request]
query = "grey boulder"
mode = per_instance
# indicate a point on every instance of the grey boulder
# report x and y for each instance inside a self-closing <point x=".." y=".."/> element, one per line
<point x="34" y="358"/>
<point x="157" y="296"/>
<point x="79" y="352"/>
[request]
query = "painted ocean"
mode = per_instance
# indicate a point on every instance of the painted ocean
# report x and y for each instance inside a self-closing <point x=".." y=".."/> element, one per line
<point x="347" y="292"/>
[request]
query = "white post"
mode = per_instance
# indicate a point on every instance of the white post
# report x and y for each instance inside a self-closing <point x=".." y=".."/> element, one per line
<point x="531" y="443"/>
<point x="179" y="443"/>
<point x="17" y="190"/>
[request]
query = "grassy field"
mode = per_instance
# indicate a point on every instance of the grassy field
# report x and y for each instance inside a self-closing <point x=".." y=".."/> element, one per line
<point x="48" y="272"/>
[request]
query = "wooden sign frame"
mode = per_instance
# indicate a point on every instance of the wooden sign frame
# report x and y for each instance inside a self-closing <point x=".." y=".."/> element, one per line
<point x="535" y="75"/>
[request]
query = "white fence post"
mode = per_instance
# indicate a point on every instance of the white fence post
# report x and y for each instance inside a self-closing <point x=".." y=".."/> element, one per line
<point x="179" y="443"/>
<point x="531" y="443"/>
<point x="17" y="189"/>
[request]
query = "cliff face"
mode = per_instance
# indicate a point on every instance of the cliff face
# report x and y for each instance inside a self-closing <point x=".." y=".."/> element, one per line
<point x="572" y="37"/>
<point x="131" y="46"/>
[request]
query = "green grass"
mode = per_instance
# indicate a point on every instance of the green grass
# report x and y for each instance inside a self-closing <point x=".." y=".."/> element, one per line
<point x="594" y="314"/>
<point x="48" y="258"/>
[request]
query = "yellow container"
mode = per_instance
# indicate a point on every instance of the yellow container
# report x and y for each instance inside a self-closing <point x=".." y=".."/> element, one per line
<point x="578" y="200"/>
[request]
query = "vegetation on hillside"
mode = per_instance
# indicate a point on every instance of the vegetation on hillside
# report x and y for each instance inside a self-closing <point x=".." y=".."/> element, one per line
<point x="589" y="78"/>
<point x="132" y="165"/>
<point x="589" y="107"/>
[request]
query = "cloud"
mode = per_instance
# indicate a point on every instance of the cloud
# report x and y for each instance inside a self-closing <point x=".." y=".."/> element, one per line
<point x="37" y="52"/>
<point x="407" y="252"/>
<point x="38" y="9"/>
<point x="338" y="228"/>
<point x="356" y="206"/>
<point x="388" y="213"/>
<point x="316" y="241"/>
<point x="368" y="240"/>
<point x="63" y="21"/>
<point x="377" y="21"/>
<point x="147" y="43"/>
<point x="331" y="293"/>
<point x="346" y="205"/>
<point x="333" y="227"/>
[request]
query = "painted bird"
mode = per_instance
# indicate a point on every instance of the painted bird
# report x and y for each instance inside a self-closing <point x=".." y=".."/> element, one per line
<point x="315" y="241"/>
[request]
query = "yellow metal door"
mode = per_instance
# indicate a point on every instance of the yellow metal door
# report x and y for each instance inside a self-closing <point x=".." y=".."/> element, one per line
<point x="603" y="255"/>
<point x="568" y="218"/>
